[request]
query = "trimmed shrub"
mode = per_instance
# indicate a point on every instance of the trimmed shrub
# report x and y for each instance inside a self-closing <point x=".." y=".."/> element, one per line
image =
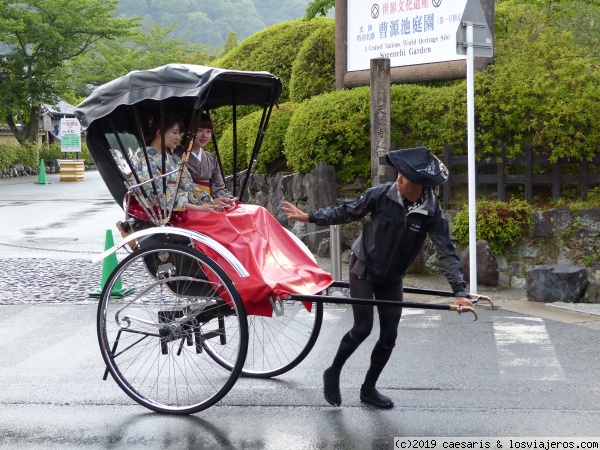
<point x="333" y="128"/>
<point x="7" y="155"/>
<point x="52" y="151"/>
<point x="541" y="89"/>
<point x="273" y="49"/>
<point x="27" y="154"/>
<point x="313" y="71"/>
<point x="500" y="224"/>
<point x="270" y="158"/>
<point x="429" y="116"/>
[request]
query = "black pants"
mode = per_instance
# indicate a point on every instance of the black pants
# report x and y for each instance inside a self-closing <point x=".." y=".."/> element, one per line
<point x="389" y="318"/>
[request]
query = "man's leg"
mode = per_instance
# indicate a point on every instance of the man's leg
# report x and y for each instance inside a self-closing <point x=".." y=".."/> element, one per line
<point x="389" y="319"/>
<point x="363" y="324"/>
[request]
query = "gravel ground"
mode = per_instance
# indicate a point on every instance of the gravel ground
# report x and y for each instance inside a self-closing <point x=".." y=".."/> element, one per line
<point x="46" y="280"/>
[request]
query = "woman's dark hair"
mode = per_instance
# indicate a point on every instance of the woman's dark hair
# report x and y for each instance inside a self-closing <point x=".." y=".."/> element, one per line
<point x="154" y="125"/>
<point x="206" y="122"/>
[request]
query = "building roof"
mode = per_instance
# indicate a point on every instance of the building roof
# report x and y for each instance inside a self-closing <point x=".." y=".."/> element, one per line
<point x="62" y="108"/>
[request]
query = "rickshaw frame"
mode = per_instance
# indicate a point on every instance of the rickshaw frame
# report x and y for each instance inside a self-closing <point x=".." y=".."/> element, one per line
<point x="188" y="299"/>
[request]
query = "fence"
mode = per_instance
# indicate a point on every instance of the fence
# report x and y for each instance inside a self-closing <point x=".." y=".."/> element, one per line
<point x="528" y="178"/>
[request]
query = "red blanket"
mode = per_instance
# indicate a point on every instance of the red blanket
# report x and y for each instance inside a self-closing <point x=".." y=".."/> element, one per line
<point x="278" y="266"/>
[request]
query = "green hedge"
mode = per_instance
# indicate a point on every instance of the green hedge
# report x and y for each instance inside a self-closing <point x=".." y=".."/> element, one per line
<point x="270" y="158"/>
<point x="332" y="128"/>
<point x="52" y="151"/>
<point x="541" y="89"/>
<point x="273" y="49"/>
<point x="30" y="154"/>
<point x="7" y="155"/>
<point x="429" y="116"/>
<point x="26" y="154"/>
<point x="505" y="223"/>
<point x="335" y="127"/>
<point x="313" y="71"/>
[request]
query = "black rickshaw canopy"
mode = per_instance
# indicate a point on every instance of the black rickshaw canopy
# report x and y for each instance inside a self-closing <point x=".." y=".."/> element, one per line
<point x="203" y="87"/>
<point x="115" y="114"/>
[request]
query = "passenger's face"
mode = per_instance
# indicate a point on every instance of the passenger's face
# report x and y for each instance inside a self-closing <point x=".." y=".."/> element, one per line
<point x="203" y="136"/>
<point x="172" y="136"/>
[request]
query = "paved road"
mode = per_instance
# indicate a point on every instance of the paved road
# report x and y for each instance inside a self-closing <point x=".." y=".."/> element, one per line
<point x="524" y="370"/>
<point x="505" y="375"/>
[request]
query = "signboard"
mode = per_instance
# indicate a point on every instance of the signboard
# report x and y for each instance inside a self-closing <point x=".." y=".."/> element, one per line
<point x="408" y="32"/>
<point x="483" y="43"/>
<point x="70" y="135"/>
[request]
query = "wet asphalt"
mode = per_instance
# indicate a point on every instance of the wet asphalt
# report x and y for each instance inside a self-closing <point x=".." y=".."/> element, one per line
<point x="523" y="370"/>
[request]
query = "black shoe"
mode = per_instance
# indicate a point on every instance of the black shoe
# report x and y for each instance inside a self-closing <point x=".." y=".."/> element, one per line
<point x="369" y="394"/>
<point x="331" y="387"/>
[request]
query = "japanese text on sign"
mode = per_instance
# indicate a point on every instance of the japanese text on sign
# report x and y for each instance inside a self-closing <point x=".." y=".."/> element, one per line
<point x="408" y="32"/>
<point x="70" y="135"/>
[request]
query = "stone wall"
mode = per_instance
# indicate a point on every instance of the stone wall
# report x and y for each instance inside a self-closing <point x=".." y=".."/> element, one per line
<point x="561" y="236"/>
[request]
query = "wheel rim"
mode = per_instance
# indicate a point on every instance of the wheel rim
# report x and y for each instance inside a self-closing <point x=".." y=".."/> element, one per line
<point x="276" y="344"/>
<point x="152" y="339"/>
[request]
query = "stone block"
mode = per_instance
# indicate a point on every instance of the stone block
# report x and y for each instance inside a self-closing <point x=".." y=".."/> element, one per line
<point x="558" y="283"/>
<point x="518" y="282"/>
<point x="592" y="293"/>
<point x="561" y="220"/>
<point x="503" y="281"/>
<point x="487" y="267"/>
<point x="589" y="219"/>
<point x="541" y="224"/>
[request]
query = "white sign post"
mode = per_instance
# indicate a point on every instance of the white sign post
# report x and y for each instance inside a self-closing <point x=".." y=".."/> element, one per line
<point x="408" y="32"/>
<point x="473" y="38"/>
<point x="70" y="135"/>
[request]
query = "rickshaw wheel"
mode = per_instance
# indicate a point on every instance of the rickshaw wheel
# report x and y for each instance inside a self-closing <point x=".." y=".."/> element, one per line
<point x="276" y="344"/>
<point x="159" y="308"/>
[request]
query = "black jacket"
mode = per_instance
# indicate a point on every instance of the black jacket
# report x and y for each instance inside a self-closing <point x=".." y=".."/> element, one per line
<point x="391" y="238"/>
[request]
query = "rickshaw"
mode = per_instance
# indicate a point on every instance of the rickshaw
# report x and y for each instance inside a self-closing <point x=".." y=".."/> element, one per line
<point x="203" y="298"/>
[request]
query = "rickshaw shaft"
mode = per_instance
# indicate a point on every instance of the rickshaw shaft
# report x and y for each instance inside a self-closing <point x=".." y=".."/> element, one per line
<point x="365" y="302"/>
<point x="408" y="290"/>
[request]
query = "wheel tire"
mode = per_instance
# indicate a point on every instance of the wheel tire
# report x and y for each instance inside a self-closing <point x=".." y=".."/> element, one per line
<point x="276" y="344"/>
<point x="153" y="339"/>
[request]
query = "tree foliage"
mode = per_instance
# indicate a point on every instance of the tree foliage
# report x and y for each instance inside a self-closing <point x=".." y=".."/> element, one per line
<point x="40" y="36"/>
<point x="141" y="50"/>
<point x="319" y="8"/>
<point x="579" y="17"/>
<point x="542" y="89"/>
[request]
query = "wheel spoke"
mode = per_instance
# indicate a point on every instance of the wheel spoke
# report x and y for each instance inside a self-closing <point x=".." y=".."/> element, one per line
<point x="180" y="297"/>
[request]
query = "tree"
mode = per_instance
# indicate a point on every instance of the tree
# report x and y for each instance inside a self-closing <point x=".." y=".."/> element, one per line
<point x="139" y="51"/>
<point x="40" y="36"/>
<point x="578" y="17"/>
<point x="230" y="43"/>
<point x="319" y="8"/>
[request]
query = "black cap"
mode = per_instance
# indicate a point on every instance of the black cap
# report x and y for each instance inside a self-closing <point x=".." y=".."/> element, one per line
<point x="419" y="165"/>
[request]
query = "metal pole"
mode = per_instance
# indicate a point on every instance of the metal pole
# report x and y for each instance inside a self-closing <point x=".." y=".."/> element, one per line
<point x="335" y="252"/>
<point x="471" y="162"/>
